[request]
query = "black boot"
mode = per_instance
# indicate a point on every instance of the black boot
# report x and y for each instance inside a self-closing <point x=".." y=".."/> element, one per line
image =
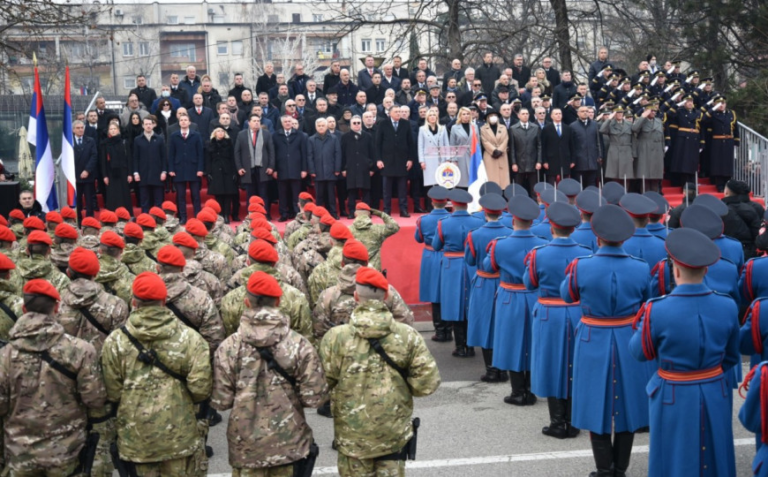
<point x="529" y="396"/>
<point x="492" y="375"/>
<point x="572" y="431"/>
<point x="557" y="427"/>
<point x="622" y="452"/>
<point x="214" y="417"/>
<point x="325" y="409"/>
<point x="442" y="332"/>
<point x="602" y="450"/>
<point x="519" y="393"/>
<point x="460" y="338"/>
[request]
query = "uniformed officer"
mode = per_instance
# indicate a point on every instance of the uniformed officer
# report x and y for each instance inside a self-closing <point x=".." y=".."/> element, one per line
<point x="689" y="141"/>
<point x="36" y="263"/>
<point x="642" y="244"/>
<point x="730" y="248"/>
<point x="372" y="235"/>
<point x="723" y="132"/>
<point x="571" y="188"/>
<point x="588" y="201"/>
<point x="212" y="262"/>
<point x="301" y="219"/>
<point x="487" y="188"/>
<point x="64" y="242"/>
<point x="513" y="304"/>
<point x="608" y="383"/>
<point x="10" y="298"/>
<point x="449" y="238"/>
<point x="613" y="192"/>
<point x="655" y="225"/>
<point x="123" y="217"/>
<point x="538" y="189"/>
<point x="52" y="219"/>
<point x="134" y="257"/>
<point x="209" y="217"/>
<point x="113" y="275"/>
<point x="483" y="285"/>
<point x="692" y="335"/>
<point x="512" y="190"/>
<point x="547" y="197"/>
<point x="754" y="414"/>
<point x="89" y="234"/>
<point x="553" y="321"/>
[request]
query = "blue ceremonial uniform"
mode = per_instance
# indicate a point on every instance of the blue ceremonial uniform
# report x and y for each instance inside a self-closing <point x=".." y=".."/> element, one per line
<point x="513" y="305"/>
<point x="753" y="282"/>
<point x="542" y="214"/>
<point x="721" y="277"/>
<point x="753" y="336"/>
<point x="543" y="229"/>
<point x="647" y="246"/>
<point x="584" y="236"/>
<point x="506" y="219"/>
<point x="658" y="229"/>
<point x="429" y="274"/>
<point x="608" y="383"/>
<point x="554" y="322"/>
<point x="692" y="335"/>
<point x="731" y="249"/>
<point x="751" y="414"/>
<point x="483" y="285"/>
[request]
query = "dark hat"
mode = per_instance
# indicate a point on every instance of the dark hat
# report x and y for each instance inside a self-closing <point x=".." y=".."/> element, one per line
<point x="702" y="219"/>
<point x="420" y="91"/>
<point x="693" y="73"/>
<point x="675" y="62"/>
<point x="577" y="97"/>
<point x="737" y="187"/>
<point x="608" y="67"/>
<point x="708" y="80"/>
<point x="480" y="97"/>
<point x="627" y="81"/>
<point x="438" y="194"/>
<point x="523" y="208"/>
<point x="492" y="112"/>
<point x="613" y="192"/>
<point x="644" y="74"/>
<point x="661" y="74"/>
<point x="562" y="215"/>
<point x="593" y="189"/>
<point x="332" y="90"/>
<point x="688" y="97"/>
<point x="546" y="97"/>
<point x="493" y="202"/>
<point x="489" y="187"/>
<point x="460" y="196"/>
<point x="691" y="248"/>
<point x="550" y="196"/>
<point x="639" y="86"/>
<point x="589" y="201"/>
<point x="514" y="189"/>
<point x="719" y="98"/>
<point x="662" y="206"/>
<point x="618" y="109"/>
<point x="472" y="107"/>
<point x="650" y="55"/>
<point x="637" y="205"/>
<point x="675" y="83"/>
<point x="541" y="187"/>
<point x="569" y="187"/>
<point x="612" y="224"/>
<point x="711" y="202"/>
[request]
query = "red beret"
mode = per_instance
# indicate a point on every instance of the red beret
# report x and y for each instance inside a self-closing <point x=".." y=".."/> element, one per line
<point x="111" y="239"/>
<point x="319" y="211"/>
<point x="257" y="208"/>
<point x="263" y="252"/>
<point x="170" y="255"/>
<point x="363" y="206"/>
<point x="255" y="199"/>
<point x="91" y="222"/>
<point x="207" y="215"/>
<point x="84" y="261"/>
<point x="65" y="231"/>
<point x="306" y="196"/>
<point x="122" y="213"/>
<point x="355" y="250"/>
<point x="34" y="223"/>
<point x="256" y="216"/>
<point x="146" y="220"/>
<point x="133" y="230"/>
<point x="3" y="222"/>
<point x="53" y="217"/>
<point x="327" y="219"/>
<point x="196" y="228"/>
<point x="6" y="234"/>
<point x="38" y="286"/>
<point x="263" y="284"/>
<point x="39" y="237"/>
<point x="371" y="277"/>
<point x="6" y="263"/>
<point x="158" y="212"/>
<point x="183" y="239"/>
<point x="340" y="231"/>
<point x="68" y="213"/>
<point x="261" y="223"/>
<point x="108" y="217"/>
<point x="17" y="214"/>
<point x="168" y="205"/>
<point x="213" y="205"/>
<point x="149" y="286"/>
<point x="309" y="207"/>
<point x="263" y="234"/>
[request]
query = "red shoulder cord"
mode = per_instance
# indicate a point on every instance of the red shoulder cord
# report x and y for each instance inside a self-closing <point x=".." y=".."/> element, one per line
<point x="492" y="253"/>
<point x="570" y="270"/>
<point x="471" y="245"/>
<point x="661" y="269"/>
<point x="763" y="398"/>
<point x="757" y="338"/>
<point x="645" y="314"/>
<point x="748" y="281"/>
<point x="418" y="228"/>
<point x="530" y="262"/>
<point x="440" y="232"/>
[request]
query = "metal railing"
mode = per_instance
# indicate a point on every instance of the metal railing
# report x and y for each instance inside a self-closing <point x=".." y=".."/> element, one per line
<point x="751" y="159"/>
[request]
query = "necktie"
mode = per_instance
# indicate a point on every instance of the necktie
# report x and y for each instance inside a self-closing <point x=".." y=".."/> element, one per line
<point x="311" y="97"/>
<point x="184" y="135"/>
<point x="79" y="141"/>
<point x="558" y="131"/>
<point x="394" y="124"/>
<point x="199" y="110"/>
<point x="254" y="138"/>
<point x="525" y="126"/>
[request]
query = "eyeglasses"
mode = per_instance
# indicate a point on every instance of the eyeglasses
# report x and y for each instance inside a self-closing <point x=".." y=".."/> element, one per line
<point x="290" y="105"/>
<point x="356" y="122"/>
<point x="477" y="84"/>
<point x="301" y="100"/>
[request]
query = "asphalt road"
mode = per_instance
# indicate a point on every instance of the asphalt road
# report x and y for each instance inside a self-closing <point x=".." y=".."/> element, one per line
<point x="467" y="430"/>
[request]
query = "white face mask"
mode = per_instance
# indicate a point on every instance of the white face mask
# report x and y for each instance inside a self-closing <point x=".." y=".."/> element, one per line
<point x="166" y="94"/>
<point x="493" y="119"/>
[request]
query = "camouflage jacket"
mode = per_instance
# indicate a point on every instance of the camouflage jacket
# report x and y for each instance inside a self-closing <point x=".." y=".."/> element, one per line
<point x="152" y="243"/>
<point x="197" y="307"/>
<point x="172" y="225"/>
<point x="18" y="230"/>
<point x="371" y="403"/>
<point x="293" y="304"/>
<point x="287" y="273"/>
<point x="163" y="235"/>
<point x="17" y="283"/>
<point x="60" y="255"/>
<point x="267" y="427"/>
<point x="136" y="259"/>
<point x="38" y="266"/>
<point x="116" y="279"/>
<point x="156" y="415"/>
<point x="299" y="235"/>
<point x="215" y="244"/>
<point x="213" y="263"/>
<point x="373" y="235"/>
<point x="46" y="412"/>
<point x="240" y="239"/>
<point x="223" y="231"/>
<point x="109" y="311"/>
<point x="295" y="225"/>
<point x="120" y="227"/>
<point x="89" y="242"/>
<point x="335" y="253"/>
<point x="197" y="277"/>
<point x="322" y="277"/>
<point x="106" y="228"/>
<point x="335" y="304"/>
<point x="310" y="253"/>
<point x="10" y="298"/>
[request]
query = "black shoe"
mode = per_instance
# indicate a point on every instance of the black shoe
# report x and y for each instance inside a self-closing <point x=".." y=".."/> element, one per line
<point x="325" y="410"/>
<point x="418" y="210"/>
<point x="404" y="214"/>
<point x="602" y="451"/>
<point x="494" y="375"/>
<point x="282" y="219"/>
<point x="470" y="352"/>
<point x="440" y="337"/>
<point x="208" y="451"/>
<point x="226" y="220"/>
<point x="461" y="352"/>
<point x="214" y="418"/>
<point x="336" y="216"/>
<point x="516" y="400"/>
<point x="351" y="217"/>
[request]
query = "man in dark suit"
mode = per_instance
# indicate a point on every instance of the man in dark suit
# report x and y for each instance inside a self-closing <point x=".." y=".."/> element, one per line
<point x="85" y="168"/>
<point x="180" y="94"/>
<point x="266" y="81"/>
<point x="332" y="78"/>
<point x="186" y="165"/>
<point x="92" y="126"/>
<point x="146" y="95"/>
<point x="312" y="94"/>
<point x="557" y="146"/>
<point x="290" y="166"/>
<point x="394" y="153"/>
<point x="365" y="75"/>
<point x="398" y="70"/>
<point x="255" y="158"/>
<point x="388" y="78"/>
<point x="553" y="76"/>
<point x="520" y="72"/>
<point x="149" y="165"/>
<point x="202" y="116"/>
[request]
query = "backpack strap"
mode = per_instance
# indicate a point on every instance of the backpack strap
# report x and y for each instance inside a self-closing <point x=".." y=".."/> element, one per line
<point x="376" y="345"/>
<point x="8" y="312"/>
<point x="92" y="320"/>
<point x="150" y="357"/>
<point x="181" y="316"/>
<point x="272" y="365"/>
<point x="58" y="366"/>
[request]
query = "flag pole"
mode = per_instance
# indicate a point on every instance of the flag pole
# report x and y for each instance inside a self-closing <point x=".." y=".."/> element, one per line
<point x="625" y="182"/>
<point x="643" y="183"/>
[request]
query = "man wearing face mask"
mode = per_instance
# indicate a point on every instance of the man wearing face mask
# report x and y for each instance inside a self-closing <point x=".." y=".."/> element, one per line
<point x="165" y="93"/>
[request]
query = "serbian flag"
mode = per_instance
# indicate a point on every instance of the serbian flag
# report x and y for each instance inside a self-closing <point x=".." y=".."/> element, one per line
<point x="67" y="142"/>
<point x="45" y="170"/>
<point x="477" y="173"/>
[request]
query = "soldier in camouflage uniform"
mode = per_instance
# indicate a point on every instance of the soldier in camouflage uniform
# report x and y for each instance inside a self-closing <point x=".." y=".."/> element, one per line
<point x="151" y="242"/>
<point x="372" y="403"/>
<point x="306" y="228"/>
<point x="193" y="271"/>
<point x="212" y="262"/>
<point x="372" y="235"/>
<point x="162" y="233"/>
<point x="293" y="303"/>
<point x="52" y="219"/>
<point x="171" y="222"/>
<point x="35" y="262"/>
<point x="9" y="247"/>
<point x="64" y="242"/>
<point x="10" y="311"/>
<point x="30" y="224"/>
<point x="134" y="257"/>
<point x="311" y="252"/>
<point x="16" y="223"/>
<point x="157" y="427"/>
<point x="300" y="219"/>
<point x="287" y="272"/>
<point x="69" y="216"/>
<point x="221" y="230"/>
<point x="259" y="396"/>
<point x="108" y="221"/>
<point x="208" y="218"/>
<point x="89" y="235"/>
<point x="123" y="217"/>
<point x="113" y="275"/>
<point x="45" y="410"/>
<point x="325" y="275"/>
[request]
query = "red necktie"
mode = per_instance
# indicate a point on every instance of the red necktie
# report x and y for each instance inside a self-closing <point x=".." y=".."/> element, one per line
<point x="184" y="135"/>
<point x="254" y="138"/>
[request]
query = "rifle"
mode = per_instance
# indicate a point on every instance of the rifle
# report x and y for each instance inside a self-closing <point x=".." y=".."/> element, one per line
<point x="305" y="466"/>
<point x="123" y="467"/>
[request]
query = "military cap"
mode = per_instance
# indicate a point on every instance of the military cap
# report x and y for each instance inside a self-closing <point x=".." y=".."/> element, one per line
<point x="264" y="284"/>
<point x="146" y="220"/>
<point x="355" y="250"/>
<point x="523" y="208"/>
<point x="196" y="228"/>
<point x="68" y="213"/>
<point x="675" y="83"/>
<point x="39" y="286"/>
<point x="688" y="97"/>
<point x="703" y="219"/>
<point x="254" y="207"/>
<point x="150" y="287"/>
<point x="653" y="105"/>
<point x="6" y="234"/>
<point x="618" y="109"/>
<point x="84" y="261"/>
<point x="693" y="74"/>
<point x="480" y="97"/>
<point x="472" y="107"/>
<point x="258" y="200"/>
<point x="675" y="62"/>
<point x="546" y="97"/>
<point x="626" y="81"/>
<point x="459" y="196"/>
<point x="363" y="206"/>
<point x="490" y="187"/>
<point x="719" y="98"/>
<point x="639" y="86"/>
<point x="3" y="222"/>
<point x="420" y="91"/>
<point x="438" y="194"/>
<point x="133" y="230"/>
<point x="65" y="231"/>
<point x="541" y="187"/>
<point x="6" y="263"/>
<point x="262" y="252"/>
<point x="661" y="74"/>
<point x="107" y="217"/>
<point x="569" y="187"/>
<point x="327" y="219"/>
<point x="713" y="203"/>
<point x="515" y="189"/>
<point x="261" y="223"/>
<point x="614" y="77"/>
<point x="644" y="74"/>
<point x="207" y="215"/>
<point x="551" y="196"/>
<point x="613" y="192"/>
<point x="340" y="231"/>
<point x="53" y="217"/>
<point x="303" y="196"/>
<point x="562" y="215"/>
<point x="34" y="223"/>
<point x="371" y="277"/>
<point x="612" y="224"/>
<point x="517" y="100"/>
<point x="91" y="222"/>
<point x="637" y="205"/>
<point x="576" y="97"/>
<point x="157" y="212"/>
<point x="122" y="213"/>
<point x="493" y="202"/>
<point x="502" y="89"/>
<point x="39" y="237"/>
<point x="592" y="188"/>
<point x="662" y="206"/>
<point x="588" y="201"/>
<point x="213" y="204"/>
<point x="691" y="248"/>
<point x="111" y="239"/>
<point x="168" y="205"/>
<point x="608" y="67"/>
<point x="16" y="214"/>
<point x="183" y="239"/>
<point x="170" y="255"/>
<point x="265" y="235"/>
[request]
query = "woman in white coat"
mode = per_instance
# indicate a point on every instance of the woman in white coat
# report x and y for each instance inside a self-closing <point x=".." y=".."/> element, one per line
<point x="433" y="144"/>
<point x="461" y="135"/>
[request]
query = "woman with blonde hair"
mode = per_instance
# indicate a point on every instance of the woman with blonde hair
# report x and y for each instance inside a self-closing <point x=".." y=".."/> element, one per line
<point x="544" y="84"/>
<point x="221" y="171"/>
<point x="461" y="136"/>
<point x="433" y="143"/>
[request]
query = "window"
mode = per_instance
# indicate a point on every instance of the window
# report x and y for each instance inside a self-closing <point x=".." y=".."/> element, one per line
<point x="138" y="20"/>
<point x="297" y="18"/>
<point x="189" y="20"/>
<point x="365" y="44"/>
<point x="380" y="45"/>
<point x="317" y="17"/>
<point x="218" y="19"/>
<point x="269" y="51"/>
<point x="129" y="82"/>
<point x="173" y="19"/>
<point x="273" y="19"/>
<point x="237" y="47"/>
<point x="128" y="49"/>
<point x="144" y="48"/>
<point x="223" y="78"/>
<point x="182" y="50"/>
<point x="222" y="47"/>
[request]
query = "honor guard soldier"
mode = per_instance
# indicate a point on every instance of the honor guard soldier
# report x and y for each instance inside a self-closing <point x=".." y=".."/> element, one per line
<point x="513" y="304"/>
<point x="36" y="261"/>
<point x="730" y="248"/>
<point x="642" y="244"/>
<point x="512" y="190"/>
<point x="483" y="286"/>
<point x="613" y="192"/>
<point x="689" y="140"/>
<point x="113" y="275"/>
<point x="538" y="189"/>
<point x="692" y="336"/>
<point x="753" y="336"/>
<point x="134" y="257"/>
<point x="550" y="196"/>
<point x="553" y="321"/>
<point x="429" y="274"/>
<point x="608" y="382"/>
<point x="754" y="415"/>
<point x="571" y="188"/>
<point x="454" y="276"/>
<point x="655" y="226"/>
<point x="64" y="242"/>
<point x="487" y="188"/>
<point x="723" y="132"/>
<point x="587" y="202"/>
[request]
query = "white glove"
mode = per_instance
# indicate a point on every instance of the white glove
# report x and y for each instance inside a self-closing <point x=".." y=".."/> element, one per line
<point x="669" y="71"/>
<point x="666" y="90"/>
<point x="631" y="93"/>
<point x="676" y="95"/>
<point x="701" y="86"/>
<point x="655" y="79"/>
<point x="680" y="104"/>
<point x="601" y="72"/>
<point x="637" y="100"/>
<point x="666" y="148"/>
<point x="701" y="149"/>
<point x="689" y="79"/>
<point x="710" y="101"/>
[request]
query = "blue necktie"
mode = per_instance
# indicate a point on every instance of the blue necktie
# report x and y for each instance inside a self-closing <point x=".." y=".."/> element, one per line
<point x="394" y="124"/>
<point x="559" y="134"/>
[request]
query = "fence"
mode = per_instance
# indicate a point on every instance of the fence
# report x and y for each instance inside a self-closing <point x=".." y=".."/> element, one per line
<point x="751" y="159"/>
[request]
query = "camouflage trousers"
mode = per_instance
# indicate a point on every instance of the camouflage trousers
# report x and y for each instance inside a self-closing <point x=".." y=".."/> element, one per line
<point x="351" y="467"/>
<point x="62" y="471"/>
<point x="281" y="471"/>
<point x="182" y="467"/>
<point x="102" y="461"/>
